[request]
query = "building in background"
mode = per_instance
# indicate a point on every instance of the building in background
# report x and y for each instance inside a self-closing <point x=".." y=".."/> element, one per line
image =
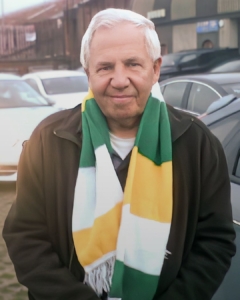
<point x="191" y="24"/>
<point x="48" y="36"/>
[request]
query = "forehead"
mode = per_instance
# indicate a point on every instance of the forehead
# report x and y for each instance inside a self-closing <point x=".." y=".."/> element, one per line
<point x="122" y="38"/>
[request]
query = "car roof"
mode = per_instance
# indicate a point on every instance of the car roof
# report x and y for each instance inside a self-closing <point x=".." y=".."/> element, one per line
<point x="220" y="78"/>
<point x="7" y="76"/>
<point x="203" y="50"/>
<point x="54" y="74"/>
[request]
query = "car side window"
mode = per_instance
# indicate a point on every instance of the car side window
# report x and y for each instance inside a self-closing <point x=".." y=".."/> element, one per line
<point x="188" y="58"/>
<point x="33" y="84"/>
<point x="188" y="61"/>
<point x="200" y="97"/>
<point x="173" y="93"/>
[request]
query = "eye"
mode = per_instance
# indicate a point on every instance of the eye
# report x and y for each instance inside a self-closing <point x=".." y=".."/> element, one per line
<point x="133" y="64"/>
<point x="106" y="68"/>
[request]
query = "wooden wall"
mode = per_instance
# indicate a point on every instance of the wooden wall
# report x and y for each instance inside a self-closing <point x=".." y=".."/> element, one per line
<point x="15" y="39"/>
<point x="50" y="38"/>
<point x="58" y="38"/>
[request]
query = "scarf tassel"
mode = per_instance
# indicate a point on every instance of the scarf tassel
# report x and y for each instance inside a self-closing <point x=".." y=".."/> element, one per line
<point x="100" y="278"/>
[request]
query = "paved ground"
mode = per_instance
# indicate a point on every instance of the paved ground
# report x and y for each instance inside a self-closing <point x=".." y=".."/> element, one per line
<point x="10" y="289"/>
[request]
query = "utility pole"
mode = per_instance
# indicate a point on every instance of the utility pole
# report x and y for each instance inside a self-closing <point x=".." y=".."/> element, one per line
<point x="67" y="31"/>
<point x="2" y="38"/>
<point x="2" y="6"/>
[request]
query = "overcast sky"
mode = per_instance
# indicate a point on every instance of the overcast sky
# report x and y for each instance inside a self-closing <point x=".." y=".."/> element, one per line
<point x="14" y="5"/>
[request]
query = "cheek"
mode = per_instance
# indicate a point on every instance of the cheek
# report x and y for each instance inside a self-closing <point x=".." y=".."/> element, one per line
<point x="98" y="86"/>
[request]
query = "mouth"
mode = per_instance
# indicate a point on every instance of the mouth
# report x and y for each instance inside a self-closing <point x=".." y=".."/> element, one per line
<point x="121" y="98"/>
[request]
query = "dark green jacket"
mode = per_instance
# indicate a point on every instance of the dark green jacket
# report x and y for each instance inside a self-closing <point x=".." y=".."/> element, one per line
<point x="38" y="231"/>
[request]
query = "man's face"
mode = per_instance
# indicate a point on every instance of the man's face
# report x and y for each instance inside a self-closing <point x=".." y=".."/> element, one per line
<point x="121" y="73"/>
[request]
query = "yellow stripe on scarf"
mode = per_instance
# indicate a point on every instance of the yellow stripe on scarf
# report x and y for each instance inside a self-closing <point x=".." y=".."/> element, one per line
<point x="87" y="239"/>
<point x="87" y="97"/>
<point x="154" y="201"/>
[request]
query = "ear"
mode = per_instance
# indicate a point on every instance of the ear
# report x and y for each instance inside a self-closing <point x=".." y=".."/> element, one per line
<point x="156" y="68"/>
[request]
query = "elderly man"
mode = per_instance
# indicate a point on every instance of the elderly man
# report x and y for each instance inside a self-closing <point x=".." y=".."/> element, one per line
<point x="121" y="197"/>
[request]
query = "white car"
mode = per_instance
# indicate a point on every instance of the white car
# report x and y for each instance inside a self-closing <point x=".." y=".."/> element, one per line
<point x="64" y="88"/>
<point x="21" y="109"/>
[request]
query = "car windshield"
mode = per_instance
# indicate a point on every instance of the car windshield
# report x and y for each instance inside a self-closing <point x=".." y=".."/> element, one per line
<point x="17" y="93"/>
<point x="232" y="88"/>
<point x="65" y="85"/>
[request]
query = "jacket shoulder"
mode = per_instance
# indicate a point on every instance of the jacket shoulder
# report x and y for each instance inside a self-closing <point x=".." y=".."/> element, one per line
<point x="65" y="118"/>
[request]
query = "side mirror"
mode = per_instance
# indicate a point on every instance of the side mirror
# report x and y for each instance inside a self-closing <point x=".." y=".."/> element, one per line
<point x="220" y="103"/>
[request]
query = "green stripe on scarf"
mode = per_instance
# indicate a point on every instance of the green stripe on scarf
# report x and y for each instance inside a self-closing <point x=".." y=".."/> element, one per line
<point x="150" y="131"/>
<point x="146" y="284"/>
<point x="93" y="125"/>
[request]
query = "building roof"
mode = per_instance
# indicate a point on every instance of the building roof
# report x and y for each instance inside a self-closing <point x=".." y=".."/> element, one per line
<point x="50" y="10"/>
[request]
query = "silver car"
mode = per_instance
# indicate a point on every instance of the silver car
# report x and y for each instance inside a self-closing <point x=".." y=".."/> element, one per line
<point x="21" y="109"/>
<point x="223" y="119"/>
<point x="65" y="89"/>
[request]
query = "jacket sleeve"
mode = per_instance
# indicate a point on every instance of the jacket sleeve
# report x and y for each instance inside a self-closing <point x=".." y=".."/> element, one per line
<point x="37" y="265"/>
<point x="209" y="258"/>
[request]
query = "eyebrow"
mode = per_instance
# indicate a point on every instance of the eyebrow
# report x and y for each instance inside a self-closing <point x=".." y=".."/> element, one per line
<point x="103" y="63"/>
<point x="132" y="59"/>
<point x="128" y="60"/>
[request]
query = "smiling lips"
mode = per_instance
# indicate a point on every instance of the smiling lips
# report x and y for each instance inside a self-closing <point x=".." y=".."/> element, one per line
<point x="121" y="98"/>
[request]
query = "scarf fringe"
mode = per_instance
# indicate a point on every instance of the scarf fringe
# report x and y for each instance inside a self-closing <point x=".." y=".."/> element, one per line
<point x="100" y="278"/>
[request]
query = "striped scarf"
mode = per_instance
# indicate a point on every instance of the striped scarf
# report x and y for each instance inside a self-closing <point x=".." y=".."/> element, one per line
<point x="120" y="238"/>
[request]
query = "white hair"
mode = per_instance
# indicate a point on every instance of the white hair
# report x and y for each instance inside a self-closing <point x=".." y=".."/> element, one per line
<point x="113" y="16"/>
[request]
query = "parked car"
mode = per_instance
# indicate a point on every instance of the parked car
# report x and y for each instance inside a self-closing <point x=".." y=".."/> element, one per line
<point x="224" y="121"/>
<point x="195" y="61"/>
<point x="195" y="93"/>
<point x="81" y="69"/>
<point x="64" y="88"/>
<point x="21" y="109"/>
<point x="229" y="66"/>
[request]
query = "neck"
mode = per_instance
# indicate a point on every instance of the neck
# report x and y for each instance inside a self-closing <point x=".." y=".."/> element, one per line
<point x="124" y="129"/>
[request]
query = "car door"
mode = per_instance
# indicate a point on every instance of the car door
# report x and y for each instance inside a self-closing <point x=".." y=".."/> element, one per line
<point x="174" y="93"/>
<point x="228" y="132"/>
<point x="201" y="96"/>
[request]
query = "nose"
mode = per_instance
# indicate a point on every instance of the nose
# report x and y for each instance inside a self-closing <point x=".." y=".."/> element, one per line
<point x="120" y="79"/>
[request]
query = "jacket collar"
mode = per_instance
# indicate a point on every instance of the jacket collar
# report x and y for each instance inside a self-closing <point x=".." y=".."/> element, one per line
<point x="71" y="127"/>
<point x="180" y="122"/>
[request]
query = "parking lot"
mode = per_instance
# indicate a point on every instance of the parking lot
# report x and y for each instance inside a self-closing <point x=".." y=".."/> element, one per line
<point x="10" y="289"/>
